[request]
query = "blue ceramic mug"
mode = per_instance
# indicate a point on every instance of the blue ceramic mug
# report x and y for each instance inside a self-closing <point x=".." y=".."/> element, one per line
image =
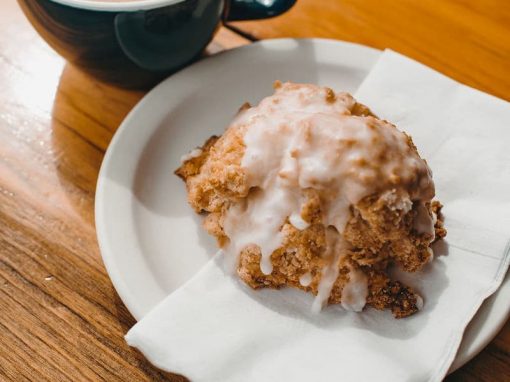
<point x="136" y="43"/>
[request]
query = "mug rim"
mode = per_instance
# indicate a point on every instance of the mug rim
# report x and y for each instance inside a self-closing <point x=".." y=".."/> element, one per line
<point x="106" y="6"/>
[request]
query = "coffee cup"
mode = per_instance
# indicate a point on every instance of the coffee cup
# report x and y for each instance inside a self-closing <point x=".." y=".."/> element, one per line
<point x="136" y="43"/>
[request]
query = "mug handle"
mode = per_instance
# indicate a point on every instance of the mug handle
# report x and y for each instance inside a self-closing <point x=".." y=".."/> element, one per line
<point x="238" y="10"/>
<point x="165" y="39"/>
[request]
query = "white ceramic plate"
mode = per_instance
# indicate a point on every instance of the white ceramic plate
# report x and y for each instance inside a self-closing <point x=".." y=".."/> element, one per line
<point x="150" y="239"/>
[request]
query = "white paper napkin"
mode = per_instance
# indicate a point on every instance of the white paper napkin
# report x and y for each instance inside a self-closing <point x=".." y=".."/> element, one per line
<point x="216" y="329"/>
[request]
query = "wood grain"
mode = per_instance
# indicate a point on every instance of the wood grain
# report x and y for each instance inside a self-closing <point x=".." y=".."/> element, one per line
<point x="468" y="40"/>
<point x="60" y="317"/>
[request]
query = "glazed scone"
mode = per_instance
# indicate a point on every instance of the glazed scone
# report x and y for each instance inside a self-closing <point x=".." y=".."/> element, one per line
<point x="310" y="190"/>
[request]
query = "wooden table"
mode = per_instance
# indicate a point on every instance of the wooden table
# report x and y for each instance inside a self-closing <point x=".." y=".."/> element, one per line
<point x="60" y="317"/>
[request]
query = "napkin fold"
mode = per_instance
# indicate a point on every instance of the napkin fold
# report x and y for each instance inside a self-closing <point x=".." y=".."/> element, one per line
<point x="214" y="328"/>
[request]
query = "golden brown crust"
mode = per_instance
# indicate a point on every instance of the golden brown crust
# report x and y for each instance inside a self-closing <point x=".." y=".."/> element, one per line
<point x="192" y="166"/>
<point x="436" y="207"/>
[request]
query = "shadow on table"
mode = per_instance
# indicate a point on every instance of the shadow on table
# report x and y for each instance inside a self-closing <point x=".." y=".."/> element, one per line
<point x="85" y="115"/>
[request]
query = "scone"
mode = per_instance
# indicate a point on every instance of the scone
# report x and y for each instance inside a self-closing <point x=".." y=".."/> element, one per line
<point x="310" y="190"/>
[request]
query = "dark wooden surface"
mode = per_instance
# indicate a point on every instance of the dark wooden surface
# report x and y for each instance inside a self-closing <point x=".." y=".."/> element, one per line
<point x="60" y="317"/>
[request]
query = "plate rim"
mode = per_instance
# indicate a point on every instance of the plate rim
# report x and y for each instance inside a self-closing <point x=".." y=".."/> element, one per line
<point x="463" y="356"/>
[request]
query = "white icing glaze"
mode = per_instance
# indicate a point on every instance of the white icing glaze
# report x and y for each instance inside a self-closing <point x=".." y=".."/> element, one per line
<point x="305" y="279"/>
<point x="257" y="220"/>
<point x="423" y="222"/>
<point x="398" y="201"/>
<point x="355" y="292"/>
<point x="297" y="221"/>
<point x="192" y="154"/>
<point x="334" y="251"/>
<point x="431" y="254"/>
<point x="419" y="302"/>
<point x="304" y="137"/>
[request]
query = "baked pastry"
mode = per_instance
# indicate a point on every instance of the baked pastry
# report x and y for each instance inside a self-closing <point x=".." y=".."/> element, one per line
<point x="310" y="190"/>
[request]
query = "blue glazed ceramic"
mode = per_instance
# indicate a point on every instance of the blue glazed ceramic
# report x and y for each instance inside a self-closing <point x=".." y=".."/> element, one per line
<point x="136" y="43"/>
